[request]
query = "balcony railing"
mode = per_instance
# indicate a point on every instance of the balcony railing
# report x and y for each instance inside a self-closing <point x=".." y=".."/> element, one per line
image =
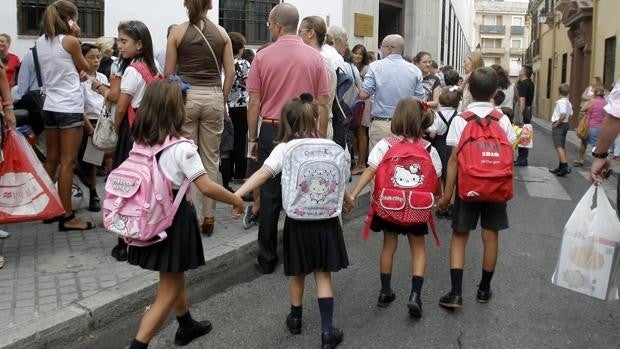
<point x="517" y="30"/>
<point x="493" y="50"/>
<point x="492" y="29"/>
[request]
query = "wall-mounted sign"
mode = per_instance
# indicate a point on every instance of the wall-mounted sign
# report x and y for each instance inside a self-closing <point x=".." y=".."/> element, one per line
<point x="364" y="25"/>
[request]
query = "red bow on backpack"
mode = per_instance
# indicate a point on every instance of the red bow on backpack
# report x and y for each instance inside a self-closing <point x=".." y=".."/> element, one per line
<point x="424" y="106"/>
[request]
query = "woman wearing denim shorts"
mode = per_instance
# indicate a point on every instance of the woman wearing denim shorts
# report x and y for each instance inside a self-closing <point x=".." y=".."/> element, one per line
<point x="59" y="54"/>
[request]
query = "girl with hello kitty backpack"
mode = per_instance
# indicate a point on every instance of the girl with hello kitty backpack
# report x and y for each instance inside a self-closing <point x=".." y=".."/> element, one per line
<point x="406" y="169"/>
<point x="158" y="129"/>
<point x="314" y="176"/>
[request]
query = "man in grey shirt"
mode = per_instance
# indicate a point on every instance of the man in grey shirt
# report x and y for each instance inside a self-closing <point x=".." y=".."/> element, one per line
<point x="389" y="80"/>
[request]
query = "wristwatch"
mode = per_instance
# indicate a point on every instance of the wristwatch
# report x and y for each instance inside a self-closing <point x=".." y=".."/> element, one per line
<point x="599" y="155"/>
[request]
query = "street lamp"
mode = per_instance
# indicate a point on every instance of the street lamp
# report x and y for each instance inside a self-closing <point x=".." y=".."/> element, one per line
<point x="542" y="17"/>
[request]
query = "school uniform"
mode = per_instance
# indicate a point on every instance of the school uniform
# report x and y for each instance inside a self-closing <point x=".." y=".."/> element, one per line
<point x="309" y="245"/>
<point x="441" y="131"/>
<point x="182" y="249"/>
<point x="374" y="159"/>
<point x="132" y="84"/>
<point x="465" y="215"/>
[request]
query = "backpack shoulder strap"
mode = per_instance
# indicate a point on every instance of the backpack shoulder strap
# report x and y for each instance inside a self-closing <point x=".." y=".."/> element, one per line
<point x="144" y="71"/>
<point x="468" y="115"/>
<point x="495" y="114"/>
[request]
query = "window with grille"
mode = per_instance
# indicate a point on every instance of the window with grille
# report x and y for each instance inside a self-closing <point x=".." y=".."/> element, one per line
<point x="90" y="16"/>
<point x="609" y="64"/>
<point x="248" y="17"/>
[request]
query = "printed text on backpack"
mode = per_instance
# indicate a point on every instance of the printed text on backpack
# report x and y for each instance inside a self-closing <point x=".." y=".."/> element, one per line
<point x="485" y="160"/>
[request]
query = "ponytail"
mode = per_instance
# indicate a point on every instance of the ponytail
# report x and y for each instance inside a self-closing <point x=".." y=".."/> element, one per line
<point x="56" y="17"/>
<point x="196" y="9"/>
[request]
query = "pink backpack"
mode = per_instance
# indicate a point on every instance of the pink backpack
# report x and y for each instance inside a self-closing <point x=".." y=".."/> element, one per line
<point x="138" y="203"/>
<point x="145" y="72"/>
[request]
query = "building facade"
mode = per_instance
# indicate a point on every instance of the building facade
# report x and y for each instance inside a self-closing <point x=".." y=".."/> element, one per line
<point x="573" y="41"/>
<point x="441" y="27"/>
<point x="502" y="33"/>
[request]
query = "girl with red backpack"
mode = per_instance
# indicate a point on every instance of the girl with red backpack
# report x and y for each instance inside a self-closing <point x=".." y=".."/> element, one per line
<point x="411" y="118"/>
<point x="138" y="69"/>
<point x="162" y="114"/>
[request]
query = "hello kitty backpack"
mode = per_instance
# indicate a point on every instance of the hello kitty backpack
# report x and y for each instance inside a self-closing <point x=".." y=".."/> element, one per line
<point x="314" y="178"/>
<point x="138" y="203"/>
<point x="405" y="183"/>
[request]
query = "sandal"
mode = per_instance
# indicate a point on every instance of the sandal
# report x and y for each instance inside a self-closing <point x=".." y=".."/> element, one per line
<point x="2" y="262"/>
<point x="577" y="163"/>
<point x="61" y="224"/>
<point x="53" y="219"/>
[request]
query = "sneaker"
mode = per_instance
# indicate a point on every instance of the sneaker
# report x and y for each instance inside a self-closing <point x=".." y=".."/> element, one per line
<point x="249" y="219"/>
<point x="4" y="234"/>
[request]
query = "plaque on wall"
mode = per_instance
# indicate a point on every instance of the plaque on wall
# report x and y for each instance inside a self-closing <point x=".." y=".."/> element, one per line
<point x="364" y="25"/>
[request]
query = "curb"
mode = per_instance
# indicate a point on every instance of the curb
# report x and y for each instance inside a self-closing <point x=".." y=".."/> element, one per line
<point x="94" y="313"/>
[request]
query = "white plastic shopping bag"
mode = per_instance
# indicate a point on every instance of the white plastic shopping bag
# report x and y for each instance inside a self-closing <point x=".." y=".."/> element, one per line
<point x="589" y="260"/>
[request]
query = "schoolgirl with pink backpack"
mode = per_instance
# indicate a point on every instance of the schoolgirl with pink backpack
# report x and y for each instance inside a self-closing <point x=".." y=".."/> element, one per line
<point x="162" y="234"/>
<point x="406" y="169"/>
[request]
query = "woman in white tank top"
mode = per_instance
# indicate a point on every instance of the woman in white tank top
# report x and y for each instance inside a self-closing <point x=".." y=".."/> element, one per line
<point x="61" y="62"/>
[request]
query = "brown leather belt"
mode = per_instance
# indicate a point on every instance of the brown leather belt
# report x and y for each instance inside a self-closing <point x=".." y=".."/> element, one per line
<point x="271" y="121"/>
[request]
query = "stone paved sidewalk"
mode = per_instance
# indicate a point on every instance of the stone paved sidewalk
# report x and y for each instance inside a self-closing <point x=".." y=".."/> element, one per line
<point x="47" y="270"/>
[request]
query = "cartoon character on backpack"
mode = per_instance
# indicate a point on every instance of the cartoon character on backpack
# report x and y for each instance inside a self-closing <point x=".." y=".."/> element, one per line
<point x="408" y="178"/>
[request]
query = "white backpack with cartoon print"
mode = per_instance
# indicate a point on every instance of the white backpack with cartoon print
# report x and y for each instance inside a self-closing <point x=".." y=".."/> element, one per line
<point x="314" y="179"/>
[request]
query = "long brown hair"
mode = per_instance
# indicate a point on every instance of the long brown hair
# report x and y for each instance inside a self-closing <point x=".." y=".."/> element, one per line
<point x="299" y="119"/>
<point x="138" y="31"/>
<point x="161" y="113"/>
<point x="56" y="18"/>
<point x="410" y="119"/>
<point x="196" y="9"/>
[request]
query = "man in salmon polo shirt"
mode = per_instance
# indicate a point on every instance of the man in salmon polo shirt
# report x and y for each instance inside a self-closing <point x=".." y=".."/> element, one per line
<point x="282" y="71"/>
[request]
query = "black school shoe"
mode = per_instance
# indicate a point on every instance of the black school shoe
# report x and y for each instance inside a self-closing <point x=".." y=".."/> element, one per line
<point x="119" y="253"/>
<point x="451" y="301"/>
<point x="94" y="204"/>
<point x="293" y="324"/>
<point x="385" y="299"/>
<point x="415" y="305"/>
<point x="484" y="296"/>
<point x="331" y="339"/>
<point x="185" y="336"/>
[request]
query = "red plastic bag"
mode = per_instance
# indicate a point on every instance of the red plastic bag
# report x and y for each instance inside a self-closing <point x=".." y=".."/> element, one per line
<point x="26" y="191"/>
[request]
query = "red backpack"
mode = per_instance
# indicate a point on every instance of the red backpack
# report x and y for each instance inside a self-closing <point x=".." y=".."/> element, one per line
<point x="485" y="160"/>
<point x="405" y="183"/>
<point x="145" y="72"/>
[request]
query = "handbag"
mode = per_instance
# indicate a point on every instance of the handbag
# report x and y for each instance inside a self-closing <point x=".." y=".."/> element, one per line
<point x="26" y="191"/>
<point x="582" y="128"/>
<point x="105" y="136"/>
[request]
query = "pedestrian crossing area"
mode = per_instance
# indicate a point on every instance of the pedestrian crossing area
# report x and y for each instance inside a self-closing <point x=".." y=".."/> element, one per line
<point x="540" y="183"/>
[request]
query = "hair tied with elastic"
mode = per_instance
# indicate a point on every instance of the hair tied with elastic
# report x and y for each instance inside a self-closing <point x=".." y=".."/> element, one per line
<point x="454" y="88"/>
<point x="306" y="97"/>
<point x="424" y="106"/>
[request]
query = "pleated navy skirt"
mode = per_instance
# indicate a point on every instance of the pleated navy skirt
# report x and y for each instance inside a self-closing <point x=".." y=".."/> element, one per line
<point x="313" y="246"/>
<point x="181" y="251"/>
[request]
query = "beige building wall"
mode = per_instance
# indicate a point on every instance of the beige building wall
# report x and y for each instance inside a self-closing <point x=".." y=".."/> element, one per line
<point x="605" y="25"/>
<point x="507" y="48"/>
<point x="554" y="44"/>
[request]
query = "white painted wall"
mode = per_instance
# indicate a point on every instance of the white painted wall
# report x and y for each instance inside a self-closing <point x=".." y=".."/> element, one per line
<point x="465" y="13"/>
<point x="156" y="15"/>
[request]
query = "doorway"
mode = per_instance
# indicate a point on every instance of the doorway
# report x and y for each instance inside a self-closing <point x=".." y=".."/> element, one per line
<point x="390" y="18"/>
